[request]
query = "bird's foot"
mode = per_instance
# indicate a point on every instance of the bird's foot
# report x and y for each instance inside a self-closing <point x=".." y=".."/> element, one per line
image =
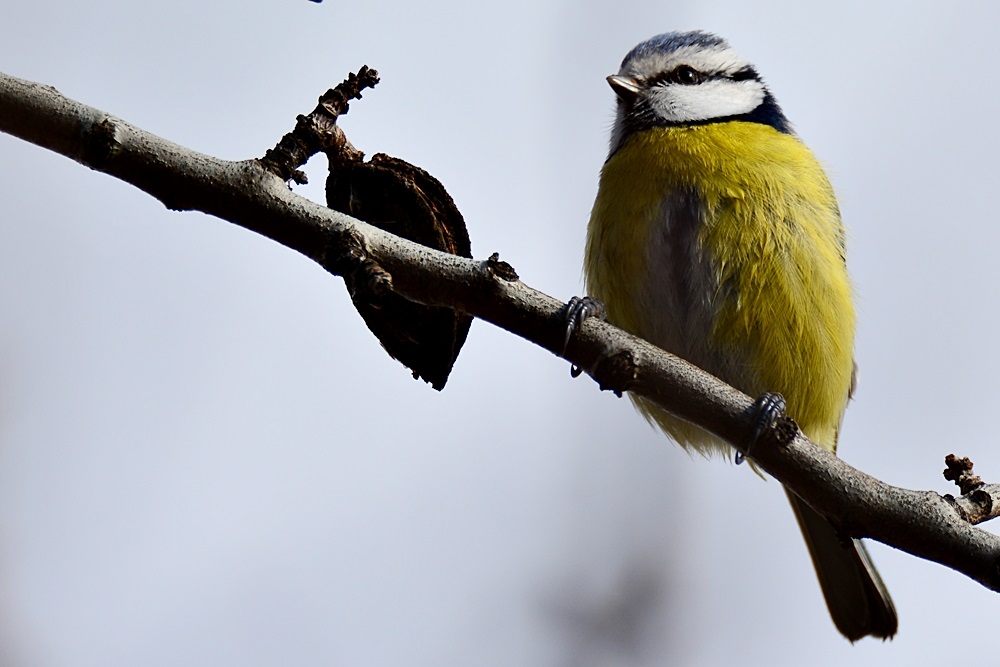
<point x="578" y="310"/>
<point x="768" y="409"/>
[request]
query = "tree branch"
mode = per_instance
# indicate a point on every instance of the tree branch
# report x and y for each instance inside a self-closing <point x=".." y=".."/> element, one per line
<point x="923" y="523"/>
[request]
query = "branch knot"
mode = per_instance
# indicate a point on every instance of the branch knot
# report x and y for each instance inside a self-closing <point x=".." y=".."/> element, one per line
<point x="501" y="270"/>
<point x="352" y="260"/>
<point x="102" y="143"/>
<point x="616" y="372"/>
<point x="959" y="470"/>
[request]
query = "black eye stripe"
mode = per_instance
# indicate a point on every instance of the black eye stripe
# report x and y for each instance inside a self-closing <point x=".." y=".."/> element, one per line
<point x="687" y="75"/>
<point x="745" y="74"/>
<point x="682" y="74"/>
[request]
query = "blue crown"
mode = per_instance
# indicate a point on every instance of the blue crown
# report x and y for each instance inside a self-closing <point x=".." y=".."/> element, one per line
<point x="671" y="41"/>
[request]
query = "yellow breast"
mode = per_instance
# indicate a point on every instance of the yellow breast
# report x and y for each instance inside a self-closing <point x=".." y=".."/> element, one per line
<point x="723" y="244"/>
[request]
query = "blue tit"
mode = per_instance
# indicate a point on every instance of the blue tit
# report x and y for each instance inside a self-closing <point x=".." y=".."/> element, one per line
<point x="716" y="236"/>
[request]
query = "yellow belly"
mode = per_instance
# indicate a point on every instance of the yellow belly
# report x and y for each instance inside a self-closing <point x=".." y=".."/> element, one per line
<point x="723" y="244"/>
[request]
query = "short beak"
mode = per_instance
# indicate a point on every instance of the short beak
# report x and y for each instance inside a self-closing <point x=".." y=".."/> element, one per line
<point x="625" y="87"/>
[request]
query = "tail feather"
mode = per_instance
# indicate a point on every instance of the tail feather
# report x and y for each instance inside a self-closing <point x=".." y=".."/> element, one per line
<point x="855" y="595"/>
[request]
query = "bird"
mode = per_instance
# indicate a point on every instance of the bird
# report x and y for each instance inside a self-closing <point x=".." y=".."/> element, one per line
<point x="716" y="235"/>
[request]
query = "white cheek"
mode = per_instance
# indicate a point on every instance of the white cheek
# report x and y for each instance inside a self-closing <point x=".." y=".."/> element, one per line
<point x="711" y="99"/>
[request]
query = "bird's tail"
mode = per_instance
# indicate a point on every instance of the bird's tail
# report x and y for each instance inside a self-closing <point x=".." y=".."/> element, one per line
<point x="858" y="600"/>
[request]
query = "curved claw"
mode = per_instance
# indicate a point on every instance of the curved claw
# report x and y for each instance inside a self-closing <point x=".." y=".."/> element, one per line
<point x="768" y="408"/>
<point x="578" y="310"/>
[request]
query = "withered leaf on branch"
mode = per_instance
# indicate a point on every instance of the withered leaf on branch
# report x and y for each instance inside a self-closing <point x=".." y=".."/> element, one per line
<point x="398" y="197"/>
<point x="405" y="200"/>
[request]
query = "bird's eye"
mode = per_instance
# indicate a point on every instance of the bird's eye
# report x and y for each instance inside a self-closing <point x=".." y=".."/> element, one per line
<point x="686" y="75"/>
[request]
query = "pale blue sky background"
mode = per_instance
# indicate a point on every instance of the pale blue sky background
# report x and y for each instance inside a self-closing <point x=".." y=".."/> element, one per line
<point x="205" y="459"/>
